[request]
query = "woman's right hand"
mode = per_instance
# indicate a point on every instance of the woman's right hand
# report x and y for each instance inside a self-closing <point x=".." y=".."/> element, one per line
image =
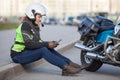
<point x="52" y="44"/>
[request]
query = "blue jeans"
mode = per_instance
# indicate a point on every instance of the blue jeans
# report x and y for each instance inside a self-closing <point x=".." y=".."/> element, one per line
<point x="50" y="55"/>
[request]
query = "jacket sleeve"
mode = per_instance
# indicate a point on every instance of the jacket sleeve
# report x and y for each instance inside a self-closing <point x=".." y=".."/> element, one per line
<point x="28" y="41"/>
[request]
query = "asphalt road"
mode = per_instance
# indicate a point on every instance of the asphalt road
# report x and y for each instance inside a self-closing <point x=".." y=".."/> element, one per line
<point x="47" y="71"/>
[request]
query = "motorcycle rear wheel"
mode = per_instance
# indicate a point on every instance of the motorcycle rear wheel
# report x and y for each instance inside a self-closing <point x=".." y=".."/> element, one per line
<point x="91" y="65"/>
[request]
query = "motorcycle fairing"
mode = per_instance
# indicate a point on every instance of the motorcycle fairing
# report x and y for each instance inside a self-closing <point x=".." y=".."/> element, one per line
<point x="101" y="37"/>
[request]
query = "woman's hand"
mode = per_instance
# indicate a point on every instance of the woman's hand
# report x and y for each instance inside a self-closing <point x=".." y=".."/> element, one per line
<point x="53" y="44"/>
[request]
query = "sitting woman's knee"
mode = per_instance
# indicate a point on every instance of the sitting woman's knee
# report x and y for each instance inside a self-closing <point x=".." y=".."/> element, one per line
<point x="43" y="48"/>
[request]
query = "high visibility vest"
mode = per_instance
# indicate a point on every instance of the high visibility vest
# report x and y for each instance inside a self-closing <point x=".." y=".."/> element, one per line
<point x="19" y="41"/>
<point x="19" y="38"/>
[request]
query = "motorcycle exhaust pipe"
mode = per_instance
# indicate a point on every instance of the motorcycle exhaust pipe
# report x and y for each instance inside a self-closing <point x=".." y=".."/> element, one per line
<point x="83" y="47"/>
<point x="94" y="56"/>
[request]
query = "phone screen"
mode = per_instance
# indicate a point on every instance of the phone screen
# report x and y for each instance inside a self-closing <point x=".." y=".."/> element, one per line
<point x="59" y="40"/>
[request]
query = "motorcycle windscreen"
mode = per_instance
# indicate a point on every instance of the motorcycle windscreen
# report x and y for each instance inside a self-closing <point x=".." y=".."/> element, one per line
<point x="101" y="37"/>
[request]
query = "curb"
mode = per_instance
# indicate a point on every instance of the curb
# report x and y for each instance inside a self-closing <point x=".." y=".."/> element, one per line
<point x="8" y="72"/>
<point x="11" y="70"/>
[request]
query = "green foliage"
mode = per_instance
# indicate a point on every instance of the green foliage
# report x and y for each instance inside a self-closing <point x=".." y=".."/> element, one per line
<point x="6" y="26"/>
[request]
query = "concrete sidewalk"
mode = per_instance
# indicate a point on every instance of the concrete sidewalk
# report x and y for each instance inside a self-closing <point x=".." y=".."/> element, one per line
<point x="46" y="71"/>
<point x="8" y="69"/>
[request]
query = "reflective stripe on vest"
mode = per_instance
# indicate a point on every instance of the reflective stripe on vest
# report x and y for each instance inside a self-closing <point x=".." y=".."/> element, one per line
<point x="40" y="41"/>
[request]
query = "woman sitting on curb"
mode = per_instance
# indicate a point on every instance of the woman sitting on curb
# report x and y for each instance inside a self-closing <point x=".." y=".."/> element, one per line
<point x="29" y="47"/>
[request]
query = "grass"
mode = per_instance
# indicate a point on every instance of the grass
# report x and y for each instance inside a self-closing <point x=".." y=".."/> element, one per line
<point x="6" y="26"/>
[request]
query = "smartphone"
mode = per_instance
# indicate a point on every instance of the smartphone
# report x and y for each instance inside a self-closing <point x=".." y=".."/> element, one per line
<point x="59" y="40"/>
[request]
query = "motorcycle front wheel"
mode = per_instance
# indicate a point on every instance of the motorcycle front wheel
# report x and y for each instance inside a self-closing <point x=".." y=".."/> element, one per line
<point x="91" y="65"/>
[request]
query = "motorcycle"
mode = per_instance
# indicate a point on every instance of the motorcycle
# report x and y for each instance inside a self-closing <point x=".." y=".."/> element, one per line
<point x="99" y="42"/>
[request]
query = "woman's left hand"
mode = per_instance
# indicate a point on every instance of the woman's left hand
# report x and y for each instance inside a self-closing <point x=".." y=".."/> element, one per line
<point x="55" y="43"/>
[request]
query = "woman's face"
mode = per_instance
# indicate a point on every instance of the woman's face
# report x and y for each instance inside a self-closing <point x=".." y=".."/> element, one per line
<point x="38" y="19"/>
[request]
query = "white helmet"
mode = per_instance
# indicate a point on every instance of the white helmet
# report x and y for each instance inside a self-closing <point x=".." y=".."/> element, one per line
<point x="35" y="8"/>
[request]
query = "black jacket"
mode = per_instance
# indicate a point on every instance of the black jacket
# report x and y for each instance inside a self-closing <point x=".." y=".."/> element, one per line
<point x="28" y="29"/>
